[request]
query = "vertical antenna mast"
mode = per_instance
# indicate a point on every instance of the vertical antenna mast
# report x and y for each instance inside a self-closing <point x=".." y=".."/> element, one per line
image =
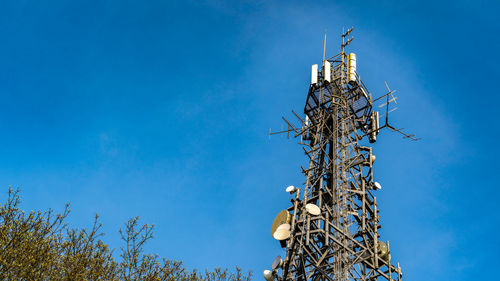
<point x="330" y="232"/>
<point x="324" y="46"/>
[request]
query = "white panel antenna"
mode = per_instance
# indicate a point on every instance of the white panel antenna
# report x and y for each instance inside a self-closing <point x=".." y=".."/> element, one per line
<point x="314" y="74"/>
<point x="327" y="71"/>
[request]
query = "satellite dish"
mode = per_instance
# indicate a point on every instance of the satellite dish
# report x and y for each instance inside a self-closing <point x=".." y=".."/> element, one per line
<point x="277" y="262"/>
<point x="282" y="234"/>
<point x="372" y="158"/>
<point x="383" y="251"/>
<point x="377" y="186"/>
<point x="285" y="226"/>
<point x="290" y="189"/>
<point x="268" y="275"/>
<point x="283" y="217"/>
<point x="313" y="209"/>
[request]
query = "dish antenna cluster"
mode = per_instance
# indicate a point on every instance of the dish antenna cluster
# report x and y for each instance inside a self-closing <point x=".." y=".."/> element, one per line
<point x="331" y="230"/>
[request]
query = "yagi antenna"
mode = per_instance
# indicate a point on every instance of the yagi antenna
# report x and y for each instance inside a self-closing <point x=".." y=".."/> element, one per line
<point x="387" y="111"/>
<point x="390" y="92"/>
<point x="290" y="128"/>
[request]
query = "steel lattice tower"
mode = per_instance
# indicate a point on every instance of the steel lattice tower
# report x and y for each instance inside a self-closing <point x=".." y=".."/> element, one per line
<point x="331" y="232"/>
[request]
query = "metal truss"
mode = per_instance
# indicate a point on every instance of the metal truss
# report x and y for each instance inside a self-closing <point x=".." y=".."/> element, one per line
<point x="342" y="241"/>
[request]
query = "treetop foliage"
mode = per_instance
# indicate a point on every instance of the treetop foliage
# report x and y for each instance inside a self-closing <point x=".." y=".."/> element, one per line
<point x="40" y="246"/>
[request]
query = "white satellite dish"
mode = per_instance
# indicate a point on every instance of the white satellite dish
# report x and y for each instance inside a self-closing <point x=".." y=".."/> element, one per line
<point x="290" y="189"/>
<point x="268" y="275"/>
<point x="313" y="209"/>
<point x="284" y="226"/>
<point x="377" y="186"/>
<point x="282" y="234"/>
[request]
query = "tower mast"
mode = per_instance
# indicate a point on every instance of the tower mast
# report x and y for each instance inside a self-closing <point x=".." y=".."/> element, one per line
<point x="330" y="232"/>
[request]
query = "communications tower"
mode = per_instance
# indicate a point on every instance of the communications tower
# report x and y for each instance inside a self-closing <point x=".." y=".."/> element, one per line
<point x="330" y="231"/>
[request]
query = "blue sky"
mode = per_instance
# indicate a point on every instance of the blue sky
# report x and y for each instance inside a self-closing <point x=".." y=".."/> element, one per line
<point x="161" y="109"/>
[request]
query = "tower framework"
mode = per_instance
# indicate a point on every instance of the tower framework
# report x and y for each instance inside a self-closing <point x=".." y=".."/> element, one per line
<point x="331" y="230"/>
